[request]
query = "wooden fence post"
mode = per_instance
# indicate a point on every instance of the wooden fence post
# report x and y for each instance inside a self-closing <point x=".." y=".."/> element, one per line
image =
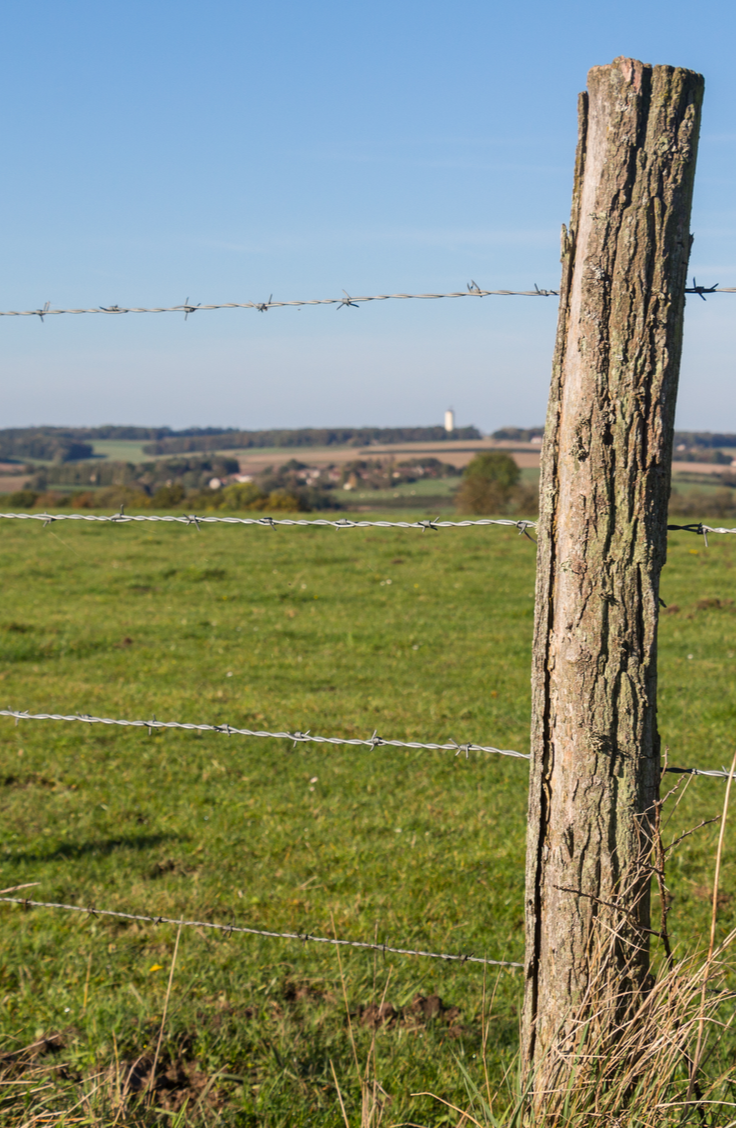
<point x="604" y="490"/>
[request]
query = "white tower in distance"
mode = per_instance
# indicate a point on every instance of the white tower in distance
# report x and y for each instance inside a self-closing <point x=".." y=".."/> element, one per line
<point x="449" y="420"/>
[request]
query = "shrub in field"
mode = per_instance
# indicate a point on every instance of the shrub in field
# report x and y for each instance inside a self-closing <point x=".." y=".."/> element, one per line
<point x="488" y="482"/>
<point x="111" y="498"/>
<point x="283" y="500"/>
<point x="247" y="495"/>
<point x="311" y="498"/>
<point x="22" y="499"/>
<point x="167" y="496"/>
<point x="524" y="500"/>
<point x="223" y="499"/>
<point x="243" y="495"/>
<point x="494" y="466"/>
<point x="51" y="500"/>
<point x="479" y="496"/>
<point x="205" y="499"/>
<point x="86" y="499"/>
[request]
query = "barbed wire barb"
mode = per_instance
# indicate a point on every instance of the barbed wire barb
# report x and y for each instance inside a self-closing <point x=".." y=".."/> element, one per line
<point x="229" y="929"/>
<point x="701" y="291"/>
<point x="701" y="530"/>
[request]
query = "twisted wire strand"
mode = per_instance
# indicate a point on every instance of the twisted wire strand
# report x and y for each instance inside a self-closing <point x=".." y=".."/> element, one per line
<point x="303" y="936"/>
<point x="374" y="741"/>
<point x="345" y="301"/>
<point x="714" y="773"/>
<point x="122" y="518"/>
<point x="700" y="529"/>
<point x="267" y="522"/>
<point x="473" y="290"/>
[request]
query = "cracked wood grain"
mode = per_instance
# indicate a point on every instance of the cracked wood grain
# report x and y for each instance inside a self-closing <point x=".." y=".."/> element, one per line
<point x="605" y="482"/>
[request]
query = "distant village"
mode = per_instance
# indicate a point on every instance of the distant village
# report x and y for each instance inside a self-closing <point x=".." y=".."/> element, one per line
<point x="307" y="468"/>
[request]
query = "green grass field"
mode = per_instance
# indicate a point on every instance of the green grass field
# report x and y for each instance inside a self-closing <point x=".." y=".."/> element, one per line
<point x="120" y="450"/>
<point x="420" y="636"/>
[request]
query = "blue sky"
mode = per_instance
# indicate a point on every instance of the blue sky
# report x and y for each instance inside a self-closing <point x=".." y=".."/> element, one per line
<point x="226" y="151"/>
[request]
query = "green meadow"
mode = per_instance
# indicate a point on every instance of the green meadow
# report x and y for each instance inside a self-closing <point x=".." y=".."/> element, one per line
<point x="416" y="635"/>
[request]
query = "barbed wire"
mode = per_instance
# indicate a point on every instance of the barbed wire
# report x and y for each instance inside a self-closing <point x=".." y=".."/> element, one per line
<point x="229" y="928"/>
<point x="701" y="530"/>
<point x="373" y="741"/>
<point x="714" y="773"/>
<point x="347" y="301"/>
<point x="701" y="291"/>
<point x="122" y="518"/>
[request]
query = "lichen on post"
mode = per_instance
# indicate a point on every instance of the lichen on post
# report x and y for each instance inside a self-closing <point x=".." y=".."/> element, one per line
<point x="604" y="491"/>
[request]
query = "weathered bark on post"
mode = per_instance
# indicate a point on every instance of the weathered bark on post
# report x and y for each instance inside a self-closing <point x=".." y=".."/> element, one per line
<point x="602" y="537"/>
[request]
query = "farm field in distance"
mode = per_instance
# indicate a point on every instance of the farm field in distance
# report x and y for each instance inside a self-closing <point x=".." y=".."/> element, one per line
<point x="420" y="636"/>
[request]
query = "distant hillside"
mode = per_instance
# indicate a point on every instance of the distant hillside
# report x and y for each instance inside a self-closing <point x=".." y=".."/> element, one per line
<point x="71" y="444"/>
<point x="690" y="439"/>
<point x="30" y="443"/>
<point x="112" y="431"/>
<point x="307" y="437"/>
<point x="684" y="440"/>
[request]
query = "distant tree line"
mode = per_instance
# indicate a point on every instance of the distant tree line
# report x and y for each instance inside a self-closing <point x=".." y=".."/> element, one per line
<point x="74" y="444"/>
<point x="71" y="444"/>
<point x="28" y="444"/>
<point x="694" y="443"/>
<point x="692" y="439"/>
<point x="518" y="434"/>
<point x="309" y="437"/>
<point x="711" y="455"/>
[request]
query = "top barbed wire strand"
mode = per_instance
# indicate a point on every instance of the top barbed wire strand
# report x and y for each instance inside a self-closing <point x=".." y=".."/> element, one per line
<point x="346" y="301"/>
<point x="473" y="290"/>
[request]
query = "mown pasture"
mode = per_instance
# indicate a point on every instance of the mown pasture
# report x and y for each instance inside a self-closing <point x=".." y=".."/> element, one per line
<point x="420" y="636"/>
